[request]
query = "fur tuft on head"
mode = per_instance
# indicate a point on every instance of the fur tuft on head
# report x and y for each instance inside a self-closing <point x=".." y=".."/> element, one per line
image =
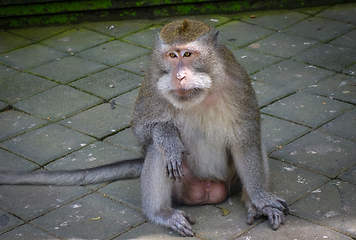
<point x="183" y="32"/>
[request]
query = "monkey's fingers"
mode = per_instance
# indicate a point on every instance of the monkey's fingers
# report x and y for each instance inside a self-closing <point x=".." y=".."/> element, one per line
<point x="275" y="217"/>
<point x="285" y="205"/>
<point x="170" y="171"/>
<point x="251" y="216"/>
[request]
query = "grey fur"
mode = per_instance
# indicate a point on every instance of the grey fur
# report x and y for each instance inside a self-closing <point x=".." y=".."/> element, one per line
<point x="111" y="172"/>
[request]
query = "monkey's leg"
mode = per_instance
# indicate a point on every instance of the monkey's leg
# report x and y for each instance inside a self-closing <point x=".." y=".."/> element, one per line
<point x="157" y="192"/>
<point x="251" y="169"/>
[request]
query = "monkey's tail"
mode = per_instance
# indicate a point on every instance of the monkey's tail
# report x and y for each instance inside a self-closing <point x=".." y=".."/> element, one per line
<point x="120" y="170"/>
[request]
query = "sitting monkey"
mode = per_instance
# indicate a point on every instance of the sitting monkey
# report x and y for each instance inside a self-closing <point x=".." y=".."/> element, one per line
<point x="198" y="122"/>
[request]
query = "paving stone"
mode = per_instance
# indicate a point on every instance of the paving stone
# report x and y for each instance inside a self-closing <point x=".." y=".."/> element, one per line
<point x="68" y="69"/>
<point x="292" y="74"/>
<point x="125" y="191"/>
<point x="21" y="86"/>
<point x="319" y="28"/>
<point x="29" y="202"/>
<point x="292" y="183"/>
<point x="267" y="93"/>
<point x="6" y="71"/>
<point x="339" y="87"/>
<point x="328" y="56"/>
<point x="344" y="126"/>
<point x="100" y="120"/>
<point x="324" y="153"/>
<point x="76" y="40"/>
<point x="211" y="224"/>
<point x="57" y="103"/>
<point x="47" y="143"/>
<point x="253" y="61"/>
<point x="342" y="12"/>
<point x="139" y="65"/>
<point x="7" y="221"/>
<point x="93" y="155"/>
<point x="31" y="56"/>
<point x="146" y="38"/>
<point x="113" y="53"/>
<point x="283" y="45"/>
<point x="148" y="231"/>
<point x="14" y="122"/>
<point x="4" y="106"/>
<point x="118" y="29"/>
<point x="293" y="228"/>
<point x="9" y="42"/>
<point x="126" y="140"/>
<point x="276" y="132"/>
<point x="74" y="220"/>
<point x="39" y="33"/>
<point x="311" y="10"/>
<point x="108" y="83"/>
<point x="29" y="232"/>
<point x="242" y="34"/>
<point x="307" y="109"/>
<point x="277" y="19"/>
<point x="349" y="175"/>
<point x="351" y="70"/>
<point x="212" y="20"/>
<point x="128" y="99"/>
<point x="332" y="205"/>
<point x="10" y="161"/>
<point x="346" y="40"/>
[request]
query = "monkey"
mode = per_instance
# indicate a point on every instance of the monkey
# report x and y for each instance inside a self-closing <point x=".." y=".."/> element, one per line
<point x="197" y="121"/>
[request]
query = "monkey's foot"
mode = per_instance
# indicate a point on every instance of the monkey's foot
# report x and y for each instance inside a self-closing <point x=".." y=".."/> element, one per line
<point x="179" y="221"/>
<point x="273" y="207"/>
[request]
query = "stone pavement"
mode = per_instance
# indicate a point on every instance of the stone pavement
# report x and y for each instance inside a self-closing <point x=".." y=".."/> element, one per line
<point x="58" y="82"/>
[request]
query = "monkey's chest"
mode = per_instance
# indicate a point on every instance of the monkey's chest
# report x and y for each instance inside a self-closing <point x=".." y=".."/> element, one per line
<point x="206" y="141"/>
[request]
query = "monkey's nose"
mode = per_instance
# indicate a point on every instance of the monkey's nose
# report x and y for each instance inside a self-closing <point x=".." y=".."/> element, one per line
<point x="180" y="77"/>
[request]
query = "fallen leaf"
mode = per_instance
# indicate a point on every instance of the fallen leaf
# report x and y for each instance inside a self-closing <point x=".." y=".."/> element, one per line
<point x="224" y="211"/>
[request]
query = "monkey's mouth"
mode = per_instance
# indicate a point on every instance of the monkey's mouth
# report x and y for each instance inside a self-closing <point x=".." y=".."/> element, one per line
<point x="187" y="94"/>
<point x="183" y="92"/>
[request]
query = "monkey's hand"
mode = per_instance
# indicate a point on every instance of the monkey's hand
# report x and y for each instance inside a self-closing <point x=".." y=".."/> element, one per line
<point x="175" y="165"/>
<point x="179" y="221"/>
<point x="271" y="206"/>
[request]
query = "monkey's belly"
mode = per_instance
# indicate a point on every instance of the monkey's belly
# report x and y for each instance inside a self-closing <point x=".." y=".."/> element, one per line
<point x="192" y="190"/>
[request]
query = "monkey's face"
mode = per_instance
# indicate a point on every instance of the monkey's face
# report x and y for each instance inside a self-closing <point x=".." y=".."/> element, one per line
<point x="185" y="80"/>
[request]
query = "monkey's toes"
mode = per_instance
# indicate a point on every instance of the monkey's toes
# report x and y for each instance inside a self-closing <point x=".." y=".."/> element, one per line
<point x="180" y="222"/>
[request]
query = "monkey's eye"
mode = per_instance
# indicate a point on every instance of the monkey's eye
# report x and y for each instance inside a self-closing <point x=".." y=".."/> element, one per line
<point x="187" y="54"/>
<point x="172" y="55"/>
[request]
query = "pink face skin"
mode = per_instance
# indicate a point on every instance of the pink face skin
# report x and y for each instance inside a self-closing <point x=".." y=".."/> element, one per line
<point x="181" y="74"/>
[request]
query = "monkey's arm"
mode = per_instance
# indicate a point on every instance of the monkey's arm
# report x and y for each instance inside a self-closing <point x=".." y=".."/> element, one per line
<point x="166" y="139"/>
<point x="111" y="172"/>
<point x="252" y="169"/>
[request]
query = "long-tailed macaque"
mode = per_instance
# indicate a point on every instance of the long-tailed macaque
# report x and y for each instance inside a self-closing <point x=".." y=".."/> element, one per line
<point x="198" y="122"/>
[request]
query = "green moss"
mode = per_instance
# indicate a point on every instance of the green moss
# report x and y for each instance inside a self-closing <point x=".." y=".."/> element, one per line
<point x="184" y="9"/>
<point x="45" y="8"/>
<point x="160" y="13"/>
<point x="40" y="20"/>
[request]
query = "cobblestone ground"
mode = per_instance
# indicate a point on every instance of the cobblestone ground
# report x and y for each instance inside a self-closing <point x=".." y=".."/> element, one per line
<point x="58" y="82"/>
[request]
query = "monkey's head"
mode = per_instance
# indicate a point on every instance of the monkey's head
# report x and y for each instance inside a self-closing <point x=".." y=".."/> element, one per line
<point x="184" y="54"/>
